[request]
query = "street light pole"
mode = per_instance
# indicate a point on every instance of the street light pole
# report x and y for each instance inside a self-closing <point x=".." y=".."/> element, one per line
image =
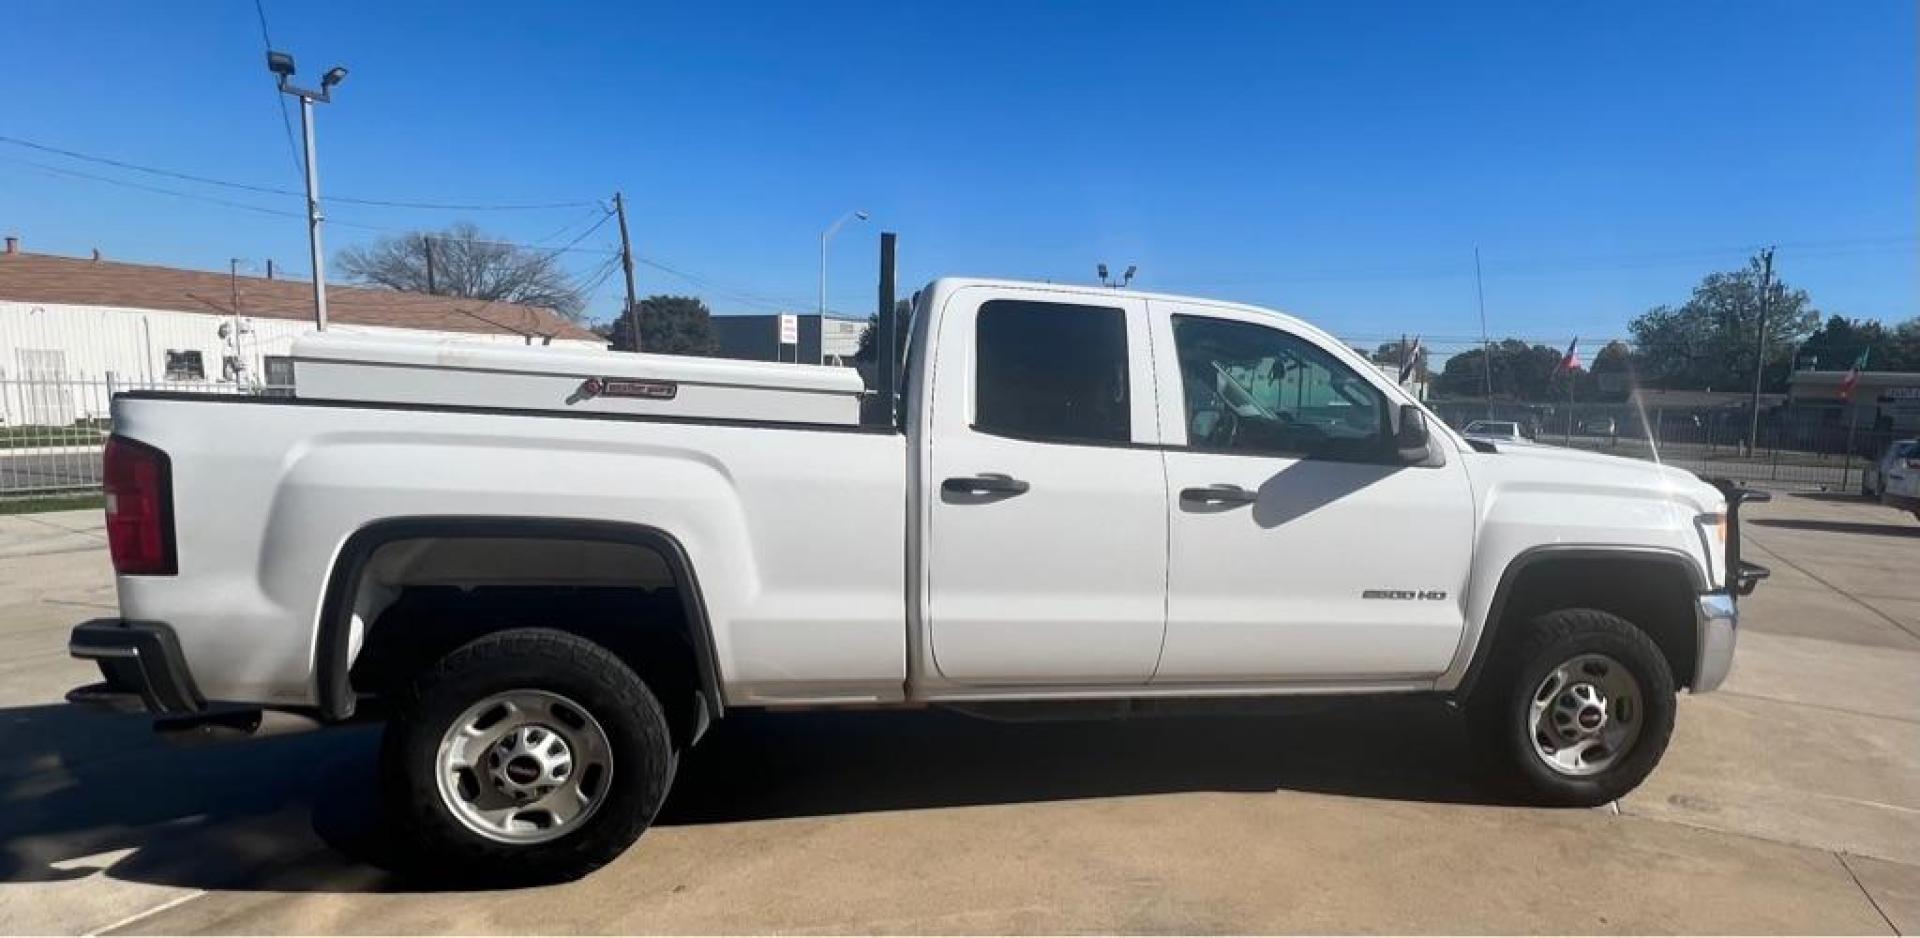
<point x="281" y="64"/>
<point x="826" y="236"/>
<point x="314" y="219"/>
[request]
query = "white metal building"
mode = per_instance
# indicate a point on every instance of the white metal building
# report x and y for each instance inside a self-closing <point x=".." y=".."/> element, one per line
<point x="73" y="329"/>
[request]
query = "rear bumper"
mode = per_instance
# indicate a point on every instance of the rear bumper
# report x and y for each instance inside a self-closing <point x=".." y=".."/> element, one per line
<point x="142" y="667"/>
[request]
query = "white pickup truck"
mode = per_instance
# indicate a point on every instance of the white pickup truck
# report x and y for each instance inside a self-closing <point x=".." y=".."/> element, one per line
<point x="549" y="571"/>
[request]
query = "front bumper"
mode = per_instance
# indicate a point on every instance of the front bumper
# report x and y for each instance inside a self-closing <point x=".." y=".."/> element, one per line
<point x="1717" y="614"/>
<point x="142" y="667"/>
<point x="1718" y="618"/>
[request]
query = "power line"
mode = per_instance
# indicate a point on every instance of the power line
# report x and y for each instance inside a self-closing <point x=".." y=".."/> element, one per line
<point x="282" y="213"/>
<point x="286" y="121"/>
<point x="746" y="297"/>
<point x="215" y="200"/>
<point x="582" y="236"/>
<point x="272" y="190"/>
<point x="557" y="232"/>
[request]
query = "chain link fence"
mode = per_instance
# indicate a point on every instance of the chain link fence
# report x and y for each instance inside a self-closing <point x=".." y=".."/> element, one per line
<point x="52" y="430"/>
<point x="1815" y="447"/>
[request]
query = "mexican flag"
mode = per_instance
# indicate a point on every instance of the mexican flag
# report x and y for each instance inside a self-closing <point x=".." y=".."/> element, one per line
<point x="1853" y="375"/>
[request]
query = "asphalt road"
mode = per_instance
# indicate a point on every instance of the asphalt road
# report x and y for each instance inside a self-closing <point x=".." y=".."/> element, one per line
<point x="1789" y="802"/>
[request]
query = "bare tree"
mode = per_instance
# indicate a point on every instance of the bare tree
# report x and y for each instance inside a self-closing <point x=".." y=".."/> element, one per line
<point x="465" y="262"/>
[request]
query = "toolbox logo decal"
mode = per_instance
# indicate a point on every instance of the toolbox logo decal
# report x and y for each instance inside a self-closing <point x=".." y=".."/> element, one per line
<point x="624" y="387"/>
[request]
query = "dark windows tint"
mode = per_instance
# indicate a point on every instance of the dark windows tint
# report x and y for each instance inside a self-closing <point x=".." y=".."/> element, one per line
<point x="1052" y="371"/>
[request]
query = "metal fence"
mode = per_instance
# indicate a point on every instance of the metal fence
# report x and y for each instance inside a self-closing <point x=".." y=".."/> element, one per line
<point x="1800" y="446"/>
<point x="52" y="430"/>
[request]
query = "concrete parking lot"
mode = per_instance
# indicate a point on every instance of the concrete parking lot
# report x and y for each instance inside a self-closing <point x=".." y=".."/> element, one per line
<point x="1789" y="802"/>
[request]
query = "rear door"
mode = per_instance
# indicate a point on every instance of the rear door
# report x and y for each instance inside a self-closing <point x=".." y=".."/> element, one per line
<point x="1046" y="546"/>
<point x="1301" y="548"/>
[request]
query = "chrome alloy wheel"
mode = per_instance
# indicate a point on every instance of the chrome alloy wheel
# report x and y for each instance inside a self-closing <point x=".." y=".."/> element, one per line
<point x="524" y="766"/>
<point x="1585" y="716"/>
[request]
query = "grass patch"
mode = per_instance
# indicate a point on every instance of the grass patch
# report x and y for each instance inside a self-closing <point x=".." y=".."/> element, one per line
<point x="64" y="501"/>
<point x="31" y="436"/>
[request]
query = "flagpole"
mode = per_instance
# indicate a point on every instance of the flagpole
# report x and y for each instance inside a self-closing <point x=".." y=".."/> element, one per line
<point x="1567" y="364"/>
<point x="1847" y="384"/>
<point x="1486" y="344"/>
<point x="1570" y="404"/>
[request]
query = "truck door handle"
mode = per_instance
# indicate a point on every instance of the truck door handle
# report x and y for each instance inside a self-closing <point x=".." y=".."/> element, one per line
<point x="1223" y="494"/>
<point x="986" y="483"/>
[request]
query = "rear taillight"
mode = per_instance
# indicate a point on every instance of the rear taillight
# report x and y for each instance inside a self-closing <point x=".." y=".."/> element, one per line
<point x="1913" y="464"/>
<point x="139" y="489"/>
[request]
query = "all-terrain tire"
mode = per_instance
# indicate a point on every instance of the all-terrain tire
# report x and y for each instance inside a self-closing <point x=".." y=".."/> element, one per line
<point x="1501" y="717"/>
<point x="435" y="843"/>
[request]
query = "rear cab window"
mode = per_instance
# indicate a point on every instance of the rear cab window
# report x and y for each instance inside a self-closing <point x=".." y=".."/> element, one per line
<point x="1052" y="372"/>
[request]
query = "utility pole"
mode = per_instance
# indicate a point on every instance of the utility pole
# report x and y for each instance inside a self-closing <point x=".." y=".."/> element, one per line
<point x="1486" y="344"/>
<point x="281" y="64"/>
<point x="426" y="242"/>
<point x="1760" y="349"/>
<point x="233" y="284"/>
<point x="626" y="262"/>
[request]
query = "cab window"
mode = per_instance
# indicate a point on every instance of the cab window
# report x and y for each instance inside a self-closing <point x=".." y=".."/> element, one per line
<point x="1053" y="372"/>
<point x="1253" y="389"/>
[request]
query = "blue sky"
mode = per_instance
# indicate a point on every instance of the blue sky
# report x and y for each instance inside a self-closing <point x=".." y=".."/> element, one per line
<point x="1337" y="160"/>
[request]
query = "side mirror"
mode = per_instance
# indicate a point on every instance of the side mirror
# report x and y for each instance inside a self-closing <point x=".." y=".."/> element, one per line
<point x="1412" y="439"/>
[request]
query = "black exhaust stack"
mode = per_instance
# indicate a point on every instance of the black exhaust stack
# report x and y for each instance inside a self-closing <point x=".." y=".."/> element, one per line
<point x="887" y="340"/>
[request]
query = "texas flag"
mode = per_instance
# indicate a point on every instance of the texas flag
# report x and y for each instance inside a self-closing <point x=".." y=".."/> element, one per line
<point x="1410" y="360"/>
<point x="1853" y="376"/>
<point x="1571" y="360"/>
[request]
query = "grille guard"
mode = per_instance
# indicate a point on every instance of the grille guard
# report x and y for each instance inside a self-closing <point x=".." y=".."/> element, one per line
<point x="1743" y="577"/>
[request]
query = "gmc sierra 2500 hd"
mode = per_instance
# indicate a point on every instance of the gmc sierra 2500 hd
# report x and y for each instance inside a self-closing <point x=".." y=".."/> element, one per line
<point x="549" y="571"/>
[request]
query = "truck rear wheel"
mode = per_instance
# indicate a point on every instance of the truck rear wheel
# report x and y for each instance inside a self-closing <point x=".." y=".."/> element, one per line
<point x="1578" y="712"/>
<point x="524" y="756"/>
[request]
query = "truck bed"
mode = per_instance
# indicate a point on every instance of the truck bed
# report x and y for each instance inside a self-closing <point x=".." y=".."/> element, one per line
<point x="802" y="524"/>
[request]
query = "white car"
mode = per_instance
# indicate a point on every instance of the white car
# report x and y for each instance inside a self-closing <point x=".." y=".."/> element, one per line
<point x="1873" y="478"/>
<point x="1900" y="481"/>
<point x="550" y="571"/>
<point x="1499" y="431"/>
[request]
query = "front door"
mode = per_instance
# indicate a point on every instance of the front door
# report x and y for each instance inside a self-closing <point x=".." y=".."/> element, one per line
<point x="1046" y="547"/>
<point x="1301" y="549"/>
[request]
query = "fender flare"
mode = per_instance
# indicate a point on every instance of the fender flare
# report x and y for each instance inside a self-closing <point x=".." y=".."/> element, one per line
<point x="1489" y="635"/>
<point x="332" y="637"/>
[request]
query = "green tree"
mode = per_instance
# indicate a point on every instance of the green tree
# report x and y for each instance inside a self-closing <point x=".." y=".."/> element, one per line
<point x="669" y="325"/>
<point x="1610" y="374"/>
<point x="1520" y="372"/>
<point x="1840" y="340"/>
<point x="1708" y="342"/>
<point x="902" y="311"/>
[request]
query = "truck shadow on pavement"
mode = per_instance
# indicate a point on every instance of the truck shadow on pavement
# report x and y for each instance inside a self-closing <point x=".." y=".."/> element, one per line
<point x="83" y="793"/>
<point x="1839" y="527"/>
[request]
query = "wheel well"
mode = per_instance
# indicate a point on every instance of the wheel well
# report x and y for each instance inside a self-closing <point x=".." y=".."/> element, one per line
<point x="402" y="601"/>
<point x="1656" y="594"/>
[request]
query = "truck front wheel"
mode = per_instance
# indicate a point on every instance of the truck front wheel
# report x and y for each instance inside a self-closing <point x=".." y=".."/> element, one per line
<point x="524" y="756"/>
<point x="1577" y="712"/>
